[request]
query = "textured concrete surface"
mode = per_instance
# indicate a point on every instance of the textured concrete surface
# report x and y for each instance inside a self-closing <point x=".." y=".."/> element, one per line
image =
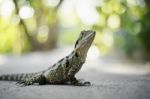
<point x="110" y="79"/>
<point x="104" y="86"/>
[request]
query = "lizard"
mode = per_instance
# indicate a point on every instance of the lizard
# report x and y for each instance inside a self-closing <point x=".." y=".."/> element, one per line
<point x="62" y="72"/>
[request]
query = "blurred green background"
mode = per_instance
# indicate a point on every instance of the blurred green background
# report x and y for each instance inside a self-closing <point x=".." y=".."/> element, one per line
<point x="122" y="26"/>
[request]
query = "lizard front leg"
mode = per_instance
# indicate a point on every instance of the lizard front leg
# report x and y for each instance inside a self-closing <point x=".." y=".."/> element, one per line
<point x="73" y="81"/>
<point x="35" y="79"/>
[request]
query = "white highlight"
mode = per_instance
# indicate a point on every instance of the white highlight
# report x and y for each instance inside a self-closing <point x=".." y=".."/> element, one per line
<point x="87" y="11"/>
<point x="6" y="8"/>
<point x="51" y="3"/>
<point x="113" y="21"/>
<point x="26" y="12"/>
<point x="3" y="60"/>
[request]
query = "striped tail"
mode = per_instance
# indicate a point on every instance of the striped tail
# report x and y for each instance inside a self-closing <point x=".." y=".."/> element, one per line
<point x="16" y="77"/>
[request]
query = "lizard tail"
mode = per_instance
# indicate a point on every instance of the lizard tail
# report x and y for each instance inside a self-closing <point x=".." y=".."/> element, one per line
<point x="16" y="77"/>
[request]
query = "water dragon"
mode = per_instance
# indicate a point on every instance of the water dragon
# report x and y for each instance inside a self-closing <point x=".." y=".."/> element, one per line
<point x="62" y="72"/>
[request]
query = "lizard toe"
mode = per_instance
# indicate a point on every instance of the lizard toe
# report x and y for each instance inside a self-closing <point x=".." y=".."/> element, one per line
<point x="87" y="83"/>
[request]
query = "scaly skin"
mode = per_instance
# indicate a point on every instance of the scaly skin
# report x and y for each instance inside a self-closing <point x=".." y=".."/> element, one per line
<point x="63" y="72"/>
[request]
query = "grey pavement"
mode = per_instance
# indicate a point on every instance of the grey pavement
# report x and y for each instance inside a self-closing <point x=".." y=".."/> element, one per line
<point x="111" y="79"/>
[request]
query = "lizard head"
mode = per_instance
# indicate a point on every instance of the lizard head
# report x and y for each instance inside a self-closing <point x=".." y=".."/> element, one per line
<point x="84" y="42"/>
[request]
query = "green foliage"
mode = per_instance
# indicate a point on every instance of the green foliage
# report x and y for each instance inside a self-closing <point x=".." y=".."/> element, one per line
<point x="132" y="32"/>
<point x="145" y="31"/>
<point x="121" y="24"/>
<point x="30" y="25"/>
<point x="9" y="38"/>
<point x="127" y="41"/>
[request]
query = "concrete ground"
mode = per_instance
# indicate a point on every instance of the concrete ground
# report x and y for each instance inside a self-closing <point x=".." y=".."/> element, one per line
<point x="111" y="78"/>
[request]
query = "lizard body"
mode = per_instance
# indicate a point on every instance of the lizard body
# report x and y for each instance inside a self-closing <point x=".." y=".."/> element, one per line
<point x="63" y="72"/>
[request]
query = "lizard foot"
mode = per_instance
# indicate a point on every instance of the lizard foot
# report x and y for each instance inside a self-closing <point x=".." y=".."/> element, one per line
<point x="82" y="83"/>
<point x="25" y="83"/>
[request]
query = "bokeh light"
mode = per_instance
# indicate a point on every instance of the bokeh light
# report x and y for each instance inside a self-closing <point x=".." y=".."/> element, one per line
<point x="26" y="12"/>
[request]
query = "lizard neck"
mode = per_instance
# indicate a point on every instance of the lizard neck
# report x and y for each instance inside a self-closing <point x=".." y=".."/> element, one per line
<point x="79" y="58"/>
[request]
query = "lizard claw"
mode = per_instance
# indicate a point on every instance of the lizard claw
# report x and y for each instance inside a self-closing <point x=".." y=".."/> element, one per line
<point x="24" y="83"/>
<point x="82" y="83"/>
<point x="87" y="83"/>
<point x="20" y="83"/>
